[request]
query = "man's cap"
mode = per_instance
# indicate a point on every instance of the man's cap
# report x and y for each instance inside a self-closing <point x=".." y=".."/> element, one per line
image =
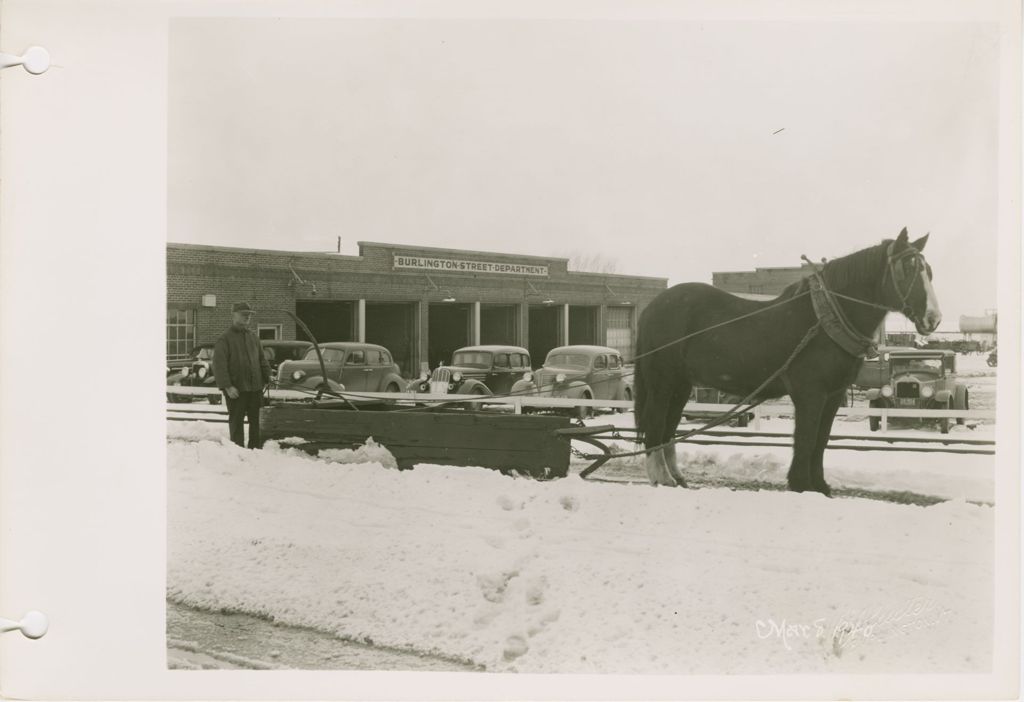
<point x="241" y="307"/>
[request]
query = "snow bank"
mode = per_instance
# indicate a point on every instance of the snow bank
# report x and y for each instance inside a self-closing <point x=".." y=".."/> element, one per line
<point x="197" y="431"/>
<point x="571" y="576"/>
<point x="947" y="475"/>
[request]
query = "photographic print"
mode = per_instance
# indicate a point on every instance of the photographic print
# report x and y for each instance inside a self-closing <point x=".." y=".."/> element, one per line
<point x="616" y="346"/>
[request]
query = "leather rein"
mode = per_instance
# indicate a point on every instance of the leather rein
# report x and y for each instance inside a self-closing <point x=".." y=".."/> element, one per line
<point x="835" y="322"/>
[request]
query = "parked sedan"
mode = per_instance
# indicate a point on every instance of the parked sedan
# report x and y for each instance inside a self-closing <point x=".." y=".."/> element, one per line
<point x="277" y="351"/>
<point x="477" y="370"/>
<point x="580" y="372"/>
<point x="196" y="372"/>
<point x="350" y="365"/>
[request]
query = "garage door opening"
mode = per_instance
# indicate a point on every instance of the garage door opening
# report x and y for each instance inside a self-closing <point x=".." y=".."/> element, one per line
<point x="619" y="333"/>
<point x="393" y="326"/>
<point x="498" y="324"/>
<point x="543" y="332"/>
<point x="582" y="325"/>
<point x="329" y="320"/>
<point x="447" y="330"/>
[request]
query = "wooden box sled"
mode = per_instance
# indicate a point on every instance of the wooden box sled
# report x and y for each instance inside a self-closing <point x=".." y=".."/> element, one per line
<point x="511" y="443"/>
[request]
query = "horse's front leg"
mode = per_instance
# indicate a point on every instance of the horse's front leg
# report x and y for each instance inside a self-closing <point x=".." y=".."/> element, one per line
<point x="809" y="405"/>
<point x="828" y="415"/>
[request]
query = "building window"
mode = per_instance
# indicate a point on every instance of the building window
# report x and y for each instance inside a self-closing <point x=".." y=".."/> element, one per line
<point x="755" y="289"/>
<point x="619" y="330"/>
<point x="270" y="332"/>
<point x="181" y="332"/>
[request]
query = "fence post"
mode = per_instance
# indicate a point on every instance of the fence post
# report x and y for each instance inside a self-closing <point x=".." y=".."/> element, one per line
<point x="885" y="419"/>
<point x="757" y="418"/>
<point x="517" y="405"/>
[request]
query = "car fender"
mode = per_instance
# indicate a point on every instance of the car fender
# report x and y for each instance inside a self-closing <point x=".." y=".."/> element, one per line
<point x="470" y="386"/>
<point x="960" y="397"/>
<point x="524" y="387"/>
<point x="313" y="382"/>
<point x="874" y="394"/>
<point x="627" y="385"/>
<point x="942" y="396"/>
<point x="392" y="378"/>
<point x="577" y="389"/>
<point x="418" y="385"/>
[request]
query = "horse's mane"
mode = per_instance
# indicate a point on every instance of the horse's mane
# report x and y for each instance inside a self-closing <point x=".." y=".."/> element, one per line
<point x="840" y="273"/>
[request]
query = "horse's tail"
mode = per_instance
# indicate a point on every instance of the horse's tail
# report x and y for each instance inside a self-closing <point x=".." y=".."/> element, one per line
<point x="643" y="380"/>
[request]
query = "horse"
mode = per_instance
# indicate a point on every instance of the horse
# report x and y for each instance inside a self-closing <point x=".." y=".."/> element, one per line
<point x="695" y="334"/>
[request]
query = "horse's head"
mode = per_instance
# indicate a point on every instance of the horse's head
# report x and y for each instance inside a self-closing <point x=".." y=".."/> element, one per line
<point x="907" y="283"/>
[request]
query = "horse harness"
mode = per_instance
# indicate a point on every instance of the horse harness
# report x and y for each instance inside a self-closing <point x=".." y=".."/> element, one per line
<point x="834" y="321"/>
<point x="894" y="270"/>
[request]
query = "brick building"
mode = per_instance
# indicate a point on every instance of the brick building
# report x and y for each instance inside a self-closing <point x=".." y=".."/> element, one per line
<point x="419" y="302"/>
<point x="760" y="282"/>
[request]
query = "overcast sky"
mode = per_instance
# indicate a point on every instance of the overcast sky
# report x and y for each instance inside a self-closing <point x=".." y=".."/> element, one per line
<point x="653" y="143"/>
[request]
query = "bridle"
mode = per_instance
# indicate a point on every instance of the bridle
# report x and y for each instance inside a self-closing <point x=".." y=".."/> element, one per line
<point x="894" y="270"/>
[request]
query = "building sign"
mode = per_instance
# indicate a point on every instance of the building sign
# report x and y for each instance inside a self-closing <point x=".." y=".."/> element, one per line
<point x="429" y="264"/>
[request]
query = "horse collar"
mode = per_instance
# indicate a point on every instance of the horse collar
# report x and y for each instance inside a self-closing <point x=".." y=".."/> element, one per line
<point x="835" y="323"/>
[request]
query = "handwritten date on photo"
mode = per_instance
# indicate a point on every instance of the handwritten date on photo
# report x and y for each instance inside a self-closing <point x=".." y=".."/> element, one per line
<point x="847" y="632"/>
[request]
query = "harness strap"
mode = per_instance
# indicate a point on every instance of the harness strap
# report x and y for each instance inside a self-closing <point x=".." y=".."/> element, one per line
<point x="744" y="405"/>
<point x="835" y="323"/>
<point x="894" y="270"/>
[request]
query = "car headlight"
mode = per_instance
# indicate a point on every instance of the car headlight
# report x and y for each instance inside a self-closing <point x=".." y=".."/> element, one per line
<point x="456" y="377"/>
<point x="202" y="372"/>
<point x="298" y="375"/>
<point x="527" y="376"/>
<point x="423" y="375"/>
<point x="560" y="378"/>
<point x="927" y="391"/>
<point x="886" y="391"/>
<point x="185" y="371"/>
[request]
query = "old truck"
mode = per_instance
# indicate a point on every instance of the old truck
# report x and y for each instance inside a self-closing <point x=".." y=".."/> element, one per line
<point x="907" y="378"/>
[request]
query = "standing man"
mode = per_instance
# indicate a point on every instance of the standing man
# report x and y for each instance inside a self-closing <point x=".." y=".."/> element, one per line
<point x="242" y="372"/>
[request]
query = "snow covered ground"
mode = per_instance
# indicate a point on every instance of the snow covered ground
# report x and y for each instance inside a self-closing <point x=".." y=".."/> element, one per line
<point x="575" y="576"/>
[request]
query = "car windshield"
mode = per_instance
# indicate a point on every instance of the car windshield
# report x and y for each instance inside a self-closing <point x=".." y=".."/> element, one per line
<point x="909" y="365"/>
<point x="472" y="359"/>
<point x="568" y="360"/>
<point x="330" y="355"/>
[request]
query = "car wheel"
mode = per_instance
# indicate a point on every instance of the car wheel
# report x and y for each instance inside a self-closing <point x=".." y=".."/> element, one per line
<point x="874" y="423"/>
<point x="944" y="422"/>
<point x="967" y="406"/>
<point x="477" y="391"/>
<point x="627" y="395"/>
<point x="216" y="399"/>
<point x="392" y="388"/>
<point x="585" y="412"/>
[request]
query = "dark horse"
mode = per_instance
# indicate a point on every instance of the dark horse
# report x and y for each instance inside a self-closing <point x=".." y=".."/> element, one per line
<point x="740" y="355"/>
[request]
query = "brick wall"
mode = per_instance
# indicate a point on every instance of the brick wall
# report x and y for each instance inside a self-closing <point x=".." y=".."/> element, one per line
<point x="272" y="281"/>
